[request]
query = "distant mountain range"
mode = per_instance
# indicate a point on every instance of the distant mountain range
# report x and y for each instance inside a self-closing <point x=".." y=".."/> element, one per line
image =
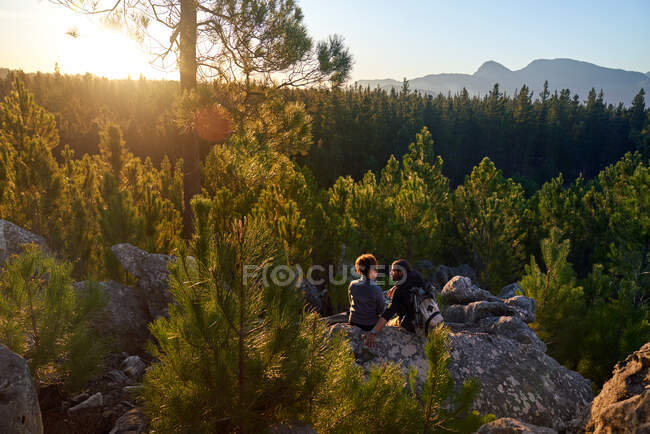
<point x="617" y="85"/>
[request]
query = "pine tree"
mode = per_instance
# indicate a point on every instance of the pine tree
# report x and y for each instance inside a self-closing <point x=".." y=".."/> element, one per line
<point x="46" y="321"/>
<point x="488" y="211"/>
<point x="234" y="342"/>
<point x="559" y="298"/>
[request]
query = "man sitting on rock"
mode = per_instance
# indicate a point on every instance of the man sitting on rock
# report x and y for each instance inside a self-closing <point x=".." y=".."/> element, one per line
<point x="405" y="278"/>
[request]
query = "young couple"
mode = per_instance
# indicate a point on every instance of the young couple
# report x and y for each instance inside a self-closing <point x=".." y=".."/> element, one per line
<point x="367" y="307"/>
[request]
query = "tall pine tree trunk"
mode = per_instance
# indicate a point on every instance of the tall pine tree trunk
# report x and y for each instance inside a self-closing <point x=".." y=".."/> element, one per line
<point x="188" y="67"/>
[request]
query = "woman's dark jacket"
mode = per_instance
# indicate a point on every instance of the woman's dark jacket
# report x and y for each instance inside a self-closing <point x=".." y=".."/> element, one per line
<point x="401" y="304"/>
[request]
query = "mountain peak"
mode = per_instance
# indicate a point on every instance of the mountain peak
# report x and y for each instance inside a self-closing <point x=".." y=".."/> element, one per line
<point x="491" y="69"/>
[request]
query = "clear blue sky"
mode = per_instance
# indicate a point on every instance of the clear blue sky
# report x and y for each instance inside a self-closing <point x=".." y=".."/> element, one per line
<point x="392" y="39"/>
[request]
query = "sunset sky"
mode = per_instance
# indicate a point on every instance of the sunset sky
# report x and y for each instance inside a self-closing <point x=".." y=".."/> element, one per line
<point x="387" y="38"/>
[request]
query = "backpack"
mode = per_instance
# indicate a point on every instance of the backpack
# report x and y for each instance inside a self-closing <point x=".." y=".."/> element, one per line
<point x="427" y="313"/>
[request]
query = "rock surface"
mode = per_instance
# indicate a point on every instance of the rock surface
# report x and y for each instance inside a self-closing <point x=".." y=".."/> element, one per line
<point x="525" y="307"/>
<point x="151" y="271"/>
<point x="12" y="238"/>
<point x="509" y="291"/>
<point x="19" y="408"/>
<point x="124" y="318"/>
<point x="516" y="379"/>
<point x="476" y="311"/>
<point x="97" y="400"/>
<point x="511" y="327"/>
<point x="623" y="405"/>
<point x="461" y="290"/>
<point x="508" y="425"/>
<point x="133" y="366"/>
<point x="131" y="422"/>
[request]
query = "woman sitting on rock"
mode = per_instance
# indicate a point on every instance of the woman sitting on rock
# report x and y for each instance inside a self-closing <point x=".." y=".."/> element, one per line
<point x="366" y="298"/>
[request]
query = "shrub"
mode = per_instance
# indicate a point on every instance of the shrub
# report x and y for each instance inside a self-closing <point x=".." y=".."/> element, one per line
<point x="44" y="320"/>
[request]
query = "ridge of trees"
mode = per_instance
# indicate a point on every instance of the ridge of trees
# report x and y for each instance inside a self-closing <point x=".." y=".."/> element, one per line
<point x="530" y="138"/>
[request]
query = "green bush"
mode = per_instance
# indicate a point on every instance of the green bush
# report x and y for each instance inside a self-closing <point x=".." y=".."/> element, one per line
<point x="44" y="320"/>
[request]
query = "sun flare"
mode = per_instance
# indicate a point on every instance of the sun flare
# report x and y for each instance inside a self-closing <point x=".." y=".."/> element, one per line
<point x="104" y="52"/>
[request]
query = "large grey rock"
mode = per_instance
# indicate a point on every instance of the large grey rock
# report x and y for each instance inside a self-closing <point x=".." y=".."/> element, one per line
<point x="19" y="409"/>
<point x="623" y="405"/>
<point x="132" y="422"/>
<point x="461" y="290"/>
<point x="97" y="400"/>
<point x="525" y="307"/>
<point x="516" y="380"/>
<point x="133" y="366"/>
<point x="509" y="291"/>
<point x="508" y="425"/>
<point x="151" y="271"/>
<point x="514" y="328"/>
<point x="476" y="311"/>
<point x="13" y="237"/>
<point x="124" y="318"/>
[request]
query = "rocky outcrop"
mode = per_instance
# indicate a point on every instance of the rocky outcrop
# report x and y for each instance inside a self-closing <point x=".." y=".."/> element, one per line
<point x="125" y="317"/>
<point x="13" y="237"/>
<point x="517" y="380"/>
<point x="508" y="425"/>
<point x="478" y="311"/>
<point x="19" y="408"/>
<point x="623" y="405"/>
<point x="491" y="341"/>
<point x="151" y="271"/>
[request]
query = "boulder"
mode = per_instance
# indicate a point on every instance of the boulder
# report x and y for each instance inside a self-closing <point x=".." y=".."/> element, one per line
<point x="525" y="307"/>
<point x="514" y="328"/>
<point x="125" y="317"/>
<point x="19" y="408"/>
<point x="97" y="400"/>
<point x="508" y="425"/>
<point x="510" y="291"/>
<point x="133" y="366"/>
<point x="151" y="271"/>
<point x="132" y="422"/>
<point x="461" y="290"/>
<point x="623" y="405"/>
<point x="13" y="237"/>
<point x="516" y="380"/>
<point x="476" y="311"/>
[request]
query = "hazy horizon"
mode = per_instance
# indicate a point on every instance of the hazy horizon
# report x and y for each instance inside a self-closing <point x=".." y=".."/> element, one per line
<point x="409" y="40"/>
